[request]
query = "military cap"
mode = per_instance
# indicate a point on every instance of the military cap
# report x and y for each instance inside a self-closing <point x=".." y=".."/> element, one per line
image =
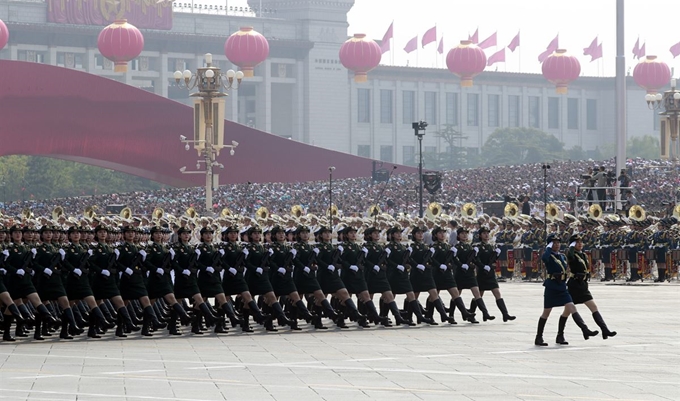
<point x="206" y="230"/>
<point x="156" y="229"/>
<point x="47" y="227"/>
<point x="301" y="228"/>
<point x="230" y="229"/>
<point x="553" y="238"/>
<point x="370" y="230"/>
<point x="393" y="230"/>
<point x="483" y="229"/>
<point x="418" y="229"/>
<point x="74" y="229"/>
<point x="128" y="228"/>
<point x="321" y="230"/>
<point x="462" y="230"/>
<point x="254" y="229"/>
<point x="15" y="228"/>
<point x="348" y="229"/>
<point x="183" y="230"/>
<point x="438" y="230"/>
<point x="277" y="229"/>
<point x="575" y="237"/>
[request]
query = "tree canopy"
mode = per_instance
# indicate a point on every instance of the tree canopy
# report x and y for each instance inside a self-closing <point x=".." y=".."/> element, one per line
<point x="508" y="146"/>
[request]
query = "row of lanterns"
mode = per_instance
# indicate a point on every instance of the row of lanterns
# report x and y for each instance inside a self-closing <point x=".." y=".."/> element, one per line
<point x="467" y="60"/>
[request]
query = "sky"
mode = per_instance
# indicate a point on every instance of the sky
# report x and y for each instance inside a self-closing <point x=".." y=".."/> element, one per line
<point x="577" y="22"/>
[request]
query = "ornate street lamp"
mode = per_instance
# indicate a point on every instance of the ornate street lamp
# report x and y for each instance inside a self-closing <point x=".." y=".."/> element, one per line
<point x="209" y="105"/>
<point x="671" y="113"/>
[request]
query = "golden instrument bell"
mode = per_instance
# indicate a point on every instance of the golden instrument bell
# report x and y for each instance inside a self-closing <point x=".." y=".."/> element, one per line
<point x="191" y="212"/>
<point x="57" y="212"/>
<point x="89" y="212"/>
<point x="636" y="212"/>
<point x="262" y="213"/>
<point x="511" y="210"/>
<point x="296" y="211"/>
<point x="126" y="213"/>
<point x="595" y="211"/>
<point x="676" y="211"/>
<point x="333" y="210"/>
<point x="552" y="211"/>
<point x="434" y="210"/>
<point x="469" y="210"/>
<point x="373" y="211"/>
<point x="225" y="212"/>
<point x="158" y="213"/>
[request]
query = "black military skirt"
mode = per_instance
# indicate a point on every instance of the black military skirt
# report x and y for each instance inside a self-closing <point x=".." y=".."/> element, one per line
<point x="443" y="279"/>
<point x="2" y="283"/>
<point x="555" y="294"/>
<point x="158" y="285"/>
<point x="51" y="287"/>
<point x="210" y="284"/>
<point x="185" y="286"/>
<point x="465" y="279"/>
<point x="234" y="284"/>
<point x="78" y="287"/>
<point x="105" y="287"/>
<point x="422" y="281"/>
<point x="258" y="284"/>
<point x="486" y="280"/>
<point x="377" y="281"/>
<point x="578" y="289"/>
<point x="399" y="281"/>
<point x="330" y="281"/>
<point x="282" y="284"/>
<point x="306" y="283"/>
<point x="132" y="287"/>
<point x="355" y="282"/>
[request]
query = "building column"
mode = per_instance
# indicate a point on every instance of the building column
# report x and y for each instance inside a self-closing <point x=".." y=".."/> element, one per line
<point x="164" y="76"/>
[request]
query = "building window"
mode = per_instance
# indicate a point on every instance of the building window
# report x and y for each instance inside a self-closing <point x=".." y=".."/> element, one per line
<point x="409" y="155"/>
<point x="591" y="114"/>
<point x="553" y="112"/>
<point x="493" y="108"/>
<point x="472" y="109"/>
<point x="534" y="112"/>
<point x="514" y="110"/>
<point x="572" y="113"/>
<point x="409" y="107"/>
<point x="452" y="108"/>
<point x="364" y="151"/>
<point x="386" y="153"/>
<point x="431" y="108"/>
<point x="364" y="105"/>
<point x="386" y="106"/>
<point x="429" y="150"/>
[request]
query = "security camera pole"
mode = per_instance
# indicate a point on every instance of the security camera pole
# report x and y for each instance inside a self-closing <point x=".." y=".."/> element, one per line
<point x="208" y="138"/>
<point x="419" y="129"/>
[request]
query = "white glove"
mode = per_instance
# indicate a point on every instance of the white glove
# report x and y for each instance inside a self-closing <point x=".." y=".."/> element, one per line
<point x="487" y="268"/>
<point x="128" y="271"/>
<point x="420" y="267"/>
<point x="221" y="251"/>
<point x="376" y="268"/>
<point x="365" y="251"/>
<point x="106" y="273"/>
<point x="210" y="269"/>
<point x="34" y="251"/>
<point x="6" y="253"/>
<point x="232" y="271"/>
<point x="117" y="252"/>
<point x="259" y="270"/>
<point x="316" y="251"/>
<point x="143" y="253"/>
<point x="48" y="272"/>
<point x="186" y="272"/>
<point x="341" y="249"/>
<point x="400" y="268"/>
<point x="465" y="267"/>
<point x="172" y="253"/>
<point x="354" y="268"/>
<point x="432" y="251"/>
<point x="331" y="268"/>
<point x="271" y="251"/>
<point x="3" y="271"/>
<point x="77" y="272"/>
<point x="476" y="250"/>
<point x="293" y="251"/>
<point x="388" y="251"/>
<point x="198" y="252"/>
<point x="89" y="252"/>
<point x="160" y="271"/>
<point x="307" y="270"/>
<point x="409" y="249"/>
<point x="245" y="251"/>
<point x="443" y="267"/>
<point x="281" y="270"/>
<point x="62" y="253"/>
<point x="498" y="251"/>
<point x="21" y="272"/>
<point x="454" y="250"/>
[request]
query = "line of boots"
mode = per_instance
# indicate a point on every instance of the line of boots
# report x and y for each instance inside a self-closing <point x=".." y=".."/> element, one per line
<point x="587" y="333"/>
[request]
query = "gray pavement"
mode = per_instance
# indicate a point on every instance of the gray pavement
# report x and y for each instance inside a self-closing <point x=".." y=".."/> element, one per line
<point x="489" y="361"/>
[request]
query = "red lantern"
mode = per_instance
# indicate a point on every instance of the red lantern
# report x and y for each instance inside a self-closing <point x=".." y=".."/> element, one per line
<point x="561" y="69"/>
<point x="651" y="74"/>
<point x="246" y="48"/>
<point x="361" y="55"/>
<point x="466" y="60"/>
<point x="4" y="35"/>
<point x="120" y="42"/>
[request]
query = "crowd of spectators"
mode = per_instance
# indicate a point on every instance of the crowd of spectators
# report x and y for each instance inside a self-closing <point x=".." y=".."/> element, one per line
<point x="655" y="184"/>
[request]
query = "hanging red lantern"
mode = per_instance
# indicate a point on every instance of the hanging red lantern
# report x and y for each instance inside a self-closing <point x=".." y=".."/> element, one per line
<point x="466" y="60"/>
<point x="361" y="55"/>
<point x="561" y="69"/>
<point x="246" y="48"/>
<point x="120" y="42"/>
<point x="651" y="74"/>
<point x="4" y="35"/>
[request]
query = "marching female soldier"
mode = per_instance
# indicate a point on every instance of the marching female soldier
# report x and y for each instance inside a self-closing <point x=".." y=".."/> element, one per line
<point x="466" y="271"/>
<point x="11" y="310"/>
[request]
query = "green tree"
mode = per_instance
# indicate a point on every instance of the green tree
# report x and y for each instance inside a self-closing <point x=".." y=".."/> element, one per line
<point x="646" y="147"/>
<point x="576" y="153"/>
<point x="509" y="146"/>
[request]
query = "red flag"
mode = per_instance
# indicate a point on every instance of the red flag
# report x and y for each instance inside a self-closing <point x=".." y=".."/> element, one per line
<point x="590" y="49"/>
<point x="475" y="37"/>
<point x="675" y="50"/>
<point x="430" y="36"/>
<point x="498" y="57"/>
<point x="385" y="44"/>
<point x="440" y="49"/>
<point x="515" y="42"/>
<point x="636" y="49"/>
<point x="596" y="53"/>
<point x="411" y="45"/>
<point x="488" y="42"/>
<point x="552" y="46"/>
<point x="642" y="51"/>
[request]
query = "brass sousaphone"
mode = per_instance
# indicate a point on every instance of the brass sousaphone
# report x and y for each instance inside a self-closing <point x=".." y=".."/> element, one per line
<point x="297" y="211"/>
<point x="434" y="210"/>
<point x="157" y="214"/>
<point x="333" y="211"/>
<point x="676" y="211"/>
<point x="373" y="211"/>
<point x="469" y="210"/>
<point x="57" y="212"/>
<point x="262" y="213"/>
<point x="126" y="213"/>
<point x="191" y="212"/>
<point x="595" y="211"/>
<point x="226" y="212"/>
<point x="552" y="211"/>
<point x="511" y="210"/>
<point x="636" y="212"/>
<point x="89" y="212"/>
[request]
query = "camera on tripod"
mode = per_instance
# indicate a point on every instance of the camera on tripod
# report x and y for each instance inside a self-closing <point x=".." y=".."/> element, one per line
<point x="419" y="125"/>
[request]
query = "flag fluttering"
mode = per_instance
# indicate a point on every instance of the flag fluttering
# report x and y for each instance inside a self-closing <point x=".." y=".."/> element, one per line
<point x="429" y="36"/>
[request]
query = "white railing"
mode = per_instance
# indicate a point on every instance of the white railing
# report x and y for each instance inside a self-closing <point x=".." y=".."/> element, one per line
<point x="219" y="8"/>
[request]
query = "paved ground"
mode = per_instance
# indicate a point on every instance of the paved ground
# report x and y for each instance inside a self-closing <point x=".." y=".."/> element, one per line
<point x="489" y="361"/>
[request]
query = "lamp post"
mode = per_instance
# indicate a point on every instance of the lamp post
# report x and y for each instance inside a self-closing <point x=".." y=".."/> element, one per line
<point x="208" y="138"/>
<point x="545" y="168"/>
<point x="419" y="130"/>
<point x="330" y="194"/>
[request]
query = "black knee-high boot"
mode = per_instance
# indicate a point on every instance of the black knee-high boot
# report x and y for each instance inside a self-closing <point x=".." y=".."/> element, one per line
<point x="132" y="312"/>
<point x="37" y="334"/>
<point x="245" y="320"/>
<point x="354" y="313"/>
<point x="328" y="309"/>
<point x="539" y="332"/>
<point x="158" y="312"/>
<point x="228" y="308"/>
<point x="15" y="312"/>
<point x="124" y="317"/>
<point x="473" y="306"/>
<point x="47" y="317"/>
<point x="7" y="327"/>
<point x="209" y="317"/>
<point x="279" y="315"/>
<point x="398" y="319"/>
<point x="80" y="321"/>
<point x="560" y="331"/>
<point x="482" y="307"/>
<point x="304" y="312"/>
<point x="110" y="319"/>
<point x="467" y="315"/>
<point x="587" y="333"/>
<point x="374" y="316"/>
<point x="414" y="306"/>
<point x="504" y="310"/>
<point x="180" y="314"/>
<point x="606" y="333"/>
<point x="255" y="312"/>
<point x="429" y="309"/>
<point x="28" y="317"/>
<point x="319" y="311"/>
<point x="220" y="324"/>
<point x="93" y="324"/>
<point x="439" y="306"/>
<point x="384" y="308"/>
<point x="69" y="318"/>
